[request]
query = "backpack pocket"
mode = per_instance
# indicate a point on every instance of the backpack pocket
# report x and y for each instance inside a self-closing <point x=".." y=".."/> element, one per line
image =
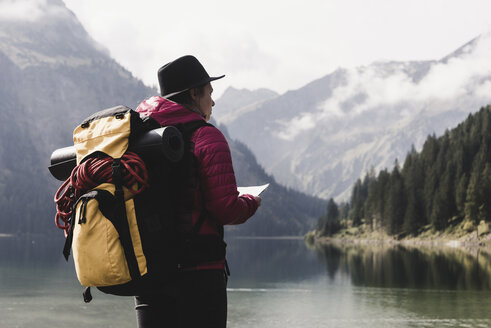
<point x="98" y="249"/>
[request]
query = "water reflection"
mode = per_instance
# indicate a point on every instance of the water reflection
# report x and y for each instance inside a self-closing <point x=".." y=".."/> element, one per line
<point x="409" y="267"/>
<point x="263" y="261"/>
<point x="31" y="249"/>
<point x="274" y="283"/>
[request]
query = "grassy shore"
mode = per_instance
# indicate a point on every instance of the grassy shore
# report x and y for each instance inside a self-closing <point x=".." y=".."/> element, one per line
<point x="459" y="235"/>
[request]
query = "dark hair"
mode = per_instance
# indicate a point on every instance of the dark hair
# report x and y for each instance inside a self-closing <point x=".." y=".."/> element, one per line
<point x="184" y="98"/>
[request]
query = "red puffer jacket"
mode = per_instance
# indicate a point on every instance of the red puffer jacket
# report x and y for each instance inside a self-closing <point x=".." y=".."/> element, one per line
<point x="216" y="175"/>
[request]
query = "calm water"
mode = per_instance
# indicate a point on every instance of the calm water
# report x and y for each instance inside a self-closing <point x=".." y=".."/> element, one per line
<point x="274" y="283"/>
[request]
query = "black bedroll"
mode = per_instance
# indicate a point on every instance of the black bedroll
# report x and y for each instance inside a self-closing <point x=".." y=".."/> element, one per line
<point x="165" y="142"/>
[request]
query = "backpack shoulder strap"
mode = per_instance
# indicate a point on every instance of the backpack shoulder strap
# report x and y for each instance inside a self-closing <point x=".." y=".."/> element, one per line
<point x="187" y="129"/>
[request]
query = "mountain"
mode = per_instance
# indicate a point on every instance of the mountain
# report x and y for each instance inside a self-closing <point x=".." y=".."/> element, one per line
<point x="322" y="137"/>
<point x="235" y="103"/>
<point x="53" y="76"/>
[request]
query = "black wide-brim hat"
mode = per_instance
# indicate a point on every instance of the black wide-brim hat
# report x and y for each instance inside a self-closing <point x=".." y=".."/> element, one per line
<point x="182" y="74"/>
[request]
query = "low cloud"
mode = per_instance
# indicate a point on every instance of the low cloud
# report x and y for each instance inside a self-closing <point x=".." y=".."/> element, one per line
<point x="28" y="10"/>
<point x="296" y="126"/>
<point x="392" y="87"/>
<point x="484" y="90"/>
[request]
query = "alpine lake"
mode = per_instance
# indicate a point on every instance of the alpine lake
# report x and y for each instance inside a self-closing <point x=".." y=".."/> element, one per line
<point x="274" y="282"/>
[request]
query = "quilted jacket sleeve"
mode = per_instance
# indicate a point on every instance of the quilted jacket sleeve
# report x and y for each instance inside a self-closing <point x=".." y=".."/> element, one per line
<point x="217" y="179"/>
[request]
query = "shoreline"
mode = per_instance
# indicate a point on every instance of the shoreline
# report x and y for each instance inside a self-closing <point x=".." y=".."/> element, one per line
<point x="468" y="241"/>
<point x="268" y="237"/>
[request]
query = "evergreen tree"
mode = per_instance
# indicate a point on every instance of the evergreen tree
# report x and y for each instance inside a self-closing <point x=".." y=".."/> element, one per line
<point x="485" y="194"/>
<point x="329" y="223"/>
<point x="332" y="210"/>
<point x="414" y="183"/>
<point x="461" y="194"/>
<point x="358" y="199"/>
<point x="395" y="204"/>
<point x="471" y="207"/>
<point x="382" y="195"/>
<point x="412" y="216"/>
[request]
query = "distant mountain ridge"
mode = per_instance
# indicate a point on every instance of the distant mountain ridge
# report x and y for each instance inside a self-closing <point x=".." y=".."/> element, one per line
<point x="235" y="103"/>
<point x="53" y="76"/>
<point x="324" y="136"/>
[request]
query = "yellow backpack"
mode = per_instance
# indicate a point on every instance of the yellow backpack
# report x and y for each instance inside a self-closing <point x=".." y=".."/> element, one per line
<point x="114" y="250"/>
<point x="118" y="205"/>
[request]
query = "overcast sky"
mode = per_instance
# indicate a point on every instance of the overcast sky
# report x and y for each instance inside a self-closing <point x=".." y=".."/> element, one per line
<point x="280" y="45"/>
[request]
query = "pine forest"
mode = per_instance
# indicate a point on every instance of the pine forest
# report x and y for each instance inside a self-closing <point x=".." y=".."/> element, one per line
<point x="447" y="183"/>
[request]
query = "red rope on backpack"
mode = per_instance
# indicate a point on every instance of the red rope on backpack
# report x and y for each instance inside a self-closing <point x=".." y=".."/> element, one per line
<point x="90" y="174"/>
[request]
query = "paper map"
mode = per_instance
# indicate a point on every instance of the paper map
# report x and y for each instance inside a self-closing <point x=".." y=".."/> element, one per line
<point x="254" y="190"/>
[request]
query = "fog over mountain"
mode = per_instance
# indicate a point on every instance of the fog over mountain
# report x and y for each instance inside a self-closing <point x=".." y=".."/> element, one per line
<point x="322" y="137"/>
<point x="53" y="75"/>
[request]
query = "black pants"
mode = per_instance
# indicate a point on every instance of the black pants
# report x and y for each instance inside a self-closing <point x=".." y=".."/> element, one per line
<point x="199" y="300"/>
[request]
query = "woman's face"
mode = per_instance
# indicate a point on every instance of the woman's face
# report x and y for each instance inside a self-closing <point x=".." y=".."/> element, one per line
<point x="204" y="102"/>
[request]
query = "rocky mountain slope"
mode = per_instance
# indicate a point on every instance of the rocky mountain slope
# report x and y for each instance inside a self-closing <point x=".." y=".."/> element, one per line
<point x="324" y="136"/>
<point x="53" y="76"/>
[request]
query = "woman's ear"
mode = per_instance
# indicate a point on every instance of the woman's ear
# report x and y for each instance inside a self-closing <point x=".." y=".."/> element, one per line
<point x="194" y="94"/>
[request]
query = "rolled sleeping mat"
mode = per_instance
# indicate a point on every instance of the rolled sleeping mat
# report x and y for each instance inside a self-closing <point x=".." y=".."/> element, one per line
<point x="166" y="141"/>
<point x="63" y="160"/>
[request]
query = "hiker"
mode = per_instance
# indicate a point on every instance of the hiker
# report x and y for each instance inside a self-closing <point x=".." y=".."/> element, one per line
<point x="200" y="298"/>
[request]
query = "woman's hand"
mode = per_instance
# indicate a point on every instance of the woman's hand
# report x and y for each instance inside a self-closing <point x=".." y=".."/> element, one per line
<point x="258" y="200"/>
